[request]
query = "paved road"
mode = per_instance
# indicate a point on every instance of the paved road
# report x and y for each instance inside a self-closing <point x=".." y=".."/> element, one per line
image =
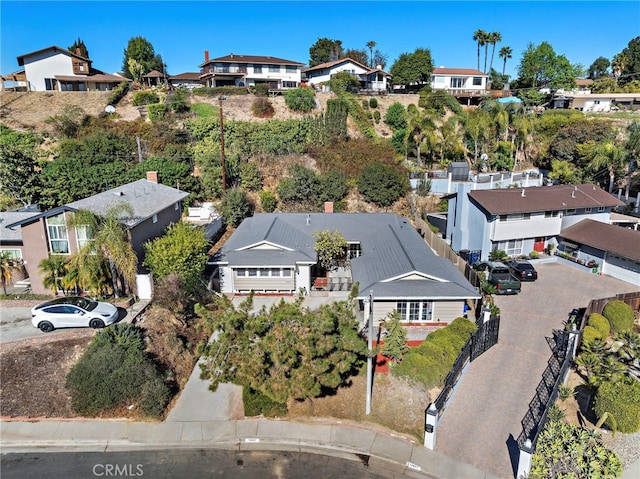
<point x="15" y="323"/>
<point x="483" y="420"/>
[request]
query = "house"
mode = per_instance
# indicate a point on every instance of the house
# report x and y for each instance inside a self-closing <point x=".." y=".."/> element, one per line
<point x="57" y="69"/>
<point x="155" y="206"/>
<point x="187" y="79"/>
<point x="521" y="220"/>
<point x="374" y="79"/>
<point x="615" y="250"/>
<point x="250" y="70"/>
<point x="11" y="238"/>
<point x="274" y="253"/>
<point x="466" y="84"/>
<point x="596" y="102"/>
<point x="16" y="81"/>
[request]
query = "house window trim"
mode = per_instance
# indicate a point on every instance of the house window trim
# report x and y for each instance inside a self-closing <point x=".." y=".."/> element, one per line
<point x="154" y="218"/>
<point x="60" y="228"/>
<point x="415" y="311"/>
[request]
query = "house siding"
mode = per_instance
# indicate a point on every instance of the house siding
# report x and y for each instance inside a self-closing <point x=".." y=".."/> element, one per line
<point x="34" y="235"/>
<point x="46" y="64"/>
<point x="443" y="311"/>
<point x="148" y="230"/>
<point x="622" y="268"/>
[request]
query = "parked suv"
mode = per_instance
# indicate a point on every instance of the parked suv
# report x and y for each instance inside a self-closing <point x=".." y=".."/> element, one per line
<point x="499" y="275"/>
<point x="522" y="269"/>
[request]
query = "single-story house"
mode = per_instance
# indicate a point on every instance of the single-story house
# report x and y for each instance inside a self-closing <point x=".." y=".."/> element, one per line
<point x="57" y="69"/>
<point x="615" y="250"/>
<point x="274" y="253"/>
<point x="250" y="70"/>
<point x="596" y="102"/>
<point x="155" y="207"/>
<point x="375" y="79"/>
<point x="186" y="79"/>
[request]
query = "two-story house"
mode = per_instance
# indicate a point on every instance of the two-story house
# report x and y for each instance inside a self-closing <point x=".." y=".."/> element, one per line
<point x="468" y="85"/>
<point x="250" y="70"/>
<point x="374" y="79"/>
<point x="155" y="207"/>
<point x="521" y="220"/>
<point x="57" y="69"/>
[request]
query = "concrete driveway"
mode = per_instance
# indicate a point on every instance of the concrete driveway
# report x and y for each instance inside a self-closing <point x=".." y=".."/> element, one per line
<point x="483" y="421"/>
<point x="15" y="324"/>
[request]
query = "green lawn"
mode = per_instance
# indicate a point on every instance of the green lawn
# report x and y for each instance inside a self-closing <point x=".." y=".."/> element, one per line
<point x="204" y="110"/>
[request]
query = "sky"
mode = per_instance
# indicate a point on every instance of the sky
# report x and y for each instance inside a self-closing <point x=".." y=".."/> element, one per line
<point x="180" y="31"/>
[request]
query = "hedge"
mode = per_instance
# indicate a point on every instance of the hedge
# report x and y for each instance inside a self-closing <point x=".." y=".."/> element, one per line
<point x="118" y="93"/>
<point x="220" y="90"/>
<point x="601" y="324"/>
<point x="620" y="315"/>
<point x="144" y="97"/>
<point x="590" y="334"/>
<point x="156" y="111"/>
<point x="621" y="400"/>
<point x="256" y="404"/>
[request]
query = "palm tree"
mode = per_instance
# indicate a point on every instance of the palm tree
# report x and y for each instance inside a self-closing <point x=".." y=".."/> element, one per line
<point x="494" y="37"/>
<point x="605" y="154"/>
<point x="505" y="53"/>
<point x="54" y="269"/>
<point x="418" y="127"/>
<point x="480" y="37"/>
<point x="371" y="45"/>
<point x="6" y="269"/>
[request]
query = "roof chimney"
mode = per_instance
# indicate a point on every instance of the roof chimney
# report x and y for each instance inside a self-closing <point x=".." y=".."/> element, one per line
<point x="328" y="206"/>
<point x="573" y="193"/>
<point x="152" y="176"/>
<point x="206" y="55"/>
<point x="522" y="194"/>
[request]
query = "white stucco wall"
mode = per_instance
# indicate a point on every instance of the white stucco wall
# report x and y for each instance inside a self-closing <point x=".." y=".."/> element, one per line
<point x="303" y="277"/>
<point x="46" y="65"/>
<point x="226" y="279"/>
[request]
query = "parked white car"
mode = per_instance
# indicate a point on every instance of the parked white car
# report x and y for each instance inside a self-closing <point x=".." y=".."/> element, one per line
<point x="73" y="312"/>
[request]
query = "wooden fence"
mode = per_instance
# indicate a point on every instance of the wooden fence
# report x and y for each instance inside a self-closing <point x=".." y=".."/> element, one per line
<point x="597" y="305"/>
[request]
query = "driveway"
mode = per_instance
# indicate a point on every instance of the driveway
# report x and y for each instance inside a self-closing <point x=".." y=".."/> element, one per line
<point x="15" y="324"/>
<point x="482" y="423"/>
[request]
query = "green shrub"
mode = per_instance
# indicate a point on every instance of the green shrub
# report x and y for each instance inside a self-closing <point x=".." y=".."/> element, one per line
<point x="365" y="104"/>
<point x="256" y="404"/>
<point x="300" y="99"/>
<point x="621" y="400"/>
<point x="619" y="314"/>
<point x="261" y="89"/>
<point x="373" y="103"/>
<point x="268" y="201"/>
<point x="437" y="351"/>
<point x="156" y="111"/>
<point x="250" y="176"/>
<point x="118" y="93"/>
<point x="220" y="90"/>
<point x="601" y="324"/>
<point x="144" y="97"/>
<point x="376" y="116"/>
<point x="534" y="255"/>
<point x="396" y="116"/>
<point x="590" y="334"/>
<point x="180" y="100"/>
<point x="382" y="184"/>
<point x="416" y="367"/>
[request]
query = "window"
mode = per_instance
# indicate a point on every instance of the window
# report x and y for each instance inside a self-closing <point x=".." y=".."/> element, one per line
<point x="155" y="218"/>
<point x="289" y="84"/>
<point x="587" y="210"/>
<point x="50" y="84"/>
<point x="275" y="272"/>
<point x="82" y="235"/>
<point x="415" y="311"/>
<point x="253" y="272"/>
<point x="176" y="206"/>
<point x="66" y="86"/>
<point x="274" y="68"/>
<point x="355" y="251"/>
<point x="571" y="211"/>
<point x="291" y="69"/>
<point x="58" y="238"/>
<point x="477" y="81"/>
<point x="601" y="209"/>
<point x="241" y="272"/>
<point x="12" y="253"/>
<point x="438" y="79"/>
<point x="550" y="214"/>
<point x="286" y="272"/>
<point x="257" y="68"/>
<point x="511" y="247"/>
<point x="263" y="272"/>
<point x="457" y="82"/>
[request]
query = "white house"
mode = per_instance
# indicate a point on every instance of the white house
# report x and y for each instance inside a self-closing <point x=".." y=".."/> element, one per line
<point x="375" y="79"/>
<point x="57" y="69"/>
<point x="459" y="80"/>
<point x="521" y="220"/>
<point x="596" y="102"/>
<point x="250" y="70"/>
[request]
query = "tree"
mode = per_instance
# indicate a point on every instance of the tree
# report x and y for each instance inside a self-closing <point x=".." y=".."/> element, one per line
<point x="19" y="178"/>
<point x="286" y="352"/>
<point x="541" y="67"/>
<point x="632" y="147"/>
<point x="343" y="82"/>
<point x="480" y="37"/>
<point x="505" y="53"/>
<point x="395" y="342"/>
<point x="603" y="154"/>
<point x="382" y="184"/>
<point x="331" y="249"/>
<point x="371" y="45"/>
<point x="494" y="37"/>
<point x="380" y="59"/>
<point x="628" y="63"/>
<point x="182" y="251"/>
<point x="79" y="45"/>
<point x="599" y="68"/>
<point x="300" y="99"/>
<point x="413" y="68"/>
<point x="6" y="269"/>
<point x="141" y="50"/>
<point x="235" y="206"/>
<point x="325" y="50"/>
<point x="300" y="187"/>
<point x="358" y="55"/>
<point x="54" y="268"/>
<point x="396" y="116"/>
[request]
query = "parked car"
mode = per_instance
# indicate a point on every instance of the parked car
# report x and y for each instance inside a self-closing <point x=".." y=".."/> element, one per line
<point x="499" y="275"/>
<point x="522" y="269"/>
<point x="72" y="312"/>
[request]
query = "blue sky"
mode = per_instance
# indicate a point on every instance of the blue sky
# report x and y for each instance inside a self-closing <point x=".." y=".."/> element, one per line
<point x="182" y="31"/>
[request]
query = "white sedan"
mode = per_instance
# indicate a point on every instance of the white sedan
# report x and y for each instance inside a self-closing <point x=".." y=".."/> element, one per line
<point x="72" y="312"/>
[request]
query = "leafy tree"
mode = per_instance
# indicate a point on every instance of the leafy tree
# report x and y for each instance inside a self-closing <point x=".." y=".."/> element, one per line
<point x="54" y="268"/>
<point x="235" y="206"/>
<point x="79" y="45"/>
<point x="170" y="172"/>
<point x="141" y="50"/>
<point x="603" y="154"/>
<point x="413" y="68"/>
<point x="325" y="50"/>
<point x="599" y="68"/>
<point x="268" y="201"/>
<point x="359" y="56"/>
<point x="19" y="180"/>
<point x="300" y="99"/>
<point x="505" y="53"/>
<point x="286" y="352"/>
<point x="332" y="186"/>
<point x="627" y="62"/>
<point x="541" y="67"/>
<point x="395" y="342"/>
<point x="396" y="116"/>
<point x="494" y="37"/>
<point x="182" y="250"/>
<point x="343" y="82"/>
<point x="300" y="187"/>
<point x="6" y="269"/>
<point x="382" y="184"/>
<point x="564" y="144"/>
<point x="331" y="249"/>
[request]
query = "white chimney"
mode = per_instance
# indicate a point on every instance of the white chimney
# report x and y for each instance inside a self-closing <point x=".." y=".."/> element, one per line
<point x="522" y="194"/>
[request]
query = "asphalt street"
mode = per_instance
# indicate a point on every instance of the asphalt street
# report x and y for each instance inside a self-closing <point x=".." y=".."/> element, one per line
<point x="15" y="324"/>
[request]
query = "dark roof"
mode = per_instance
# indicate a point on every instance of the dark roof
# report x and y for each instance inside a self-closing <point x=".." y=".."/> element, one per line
<point x="233" y="58"/>
<point x="7" y="218"/>
<point x="154" y="74"/>
<point x="98" y="78"/>
<point x="603" y="236"/>
<point x="457" y="71"/>
<point x="391" y="249"/>
<point x="189" y="76"/>
<point x="54" y="49"/>
<point x="543" y="198"/>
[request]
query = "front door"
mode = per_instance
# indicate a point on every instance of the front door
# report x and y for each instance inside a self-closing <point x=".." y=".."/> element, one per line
<point x="538" y="244"/>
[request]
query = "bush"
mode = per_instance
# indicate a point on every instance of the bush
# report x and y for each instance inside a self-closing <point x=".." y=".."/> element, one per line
<point x="365" y="104"/>
<point x="396" y="116"/>
<point x="180" y="100"/>
<point x="118" y="93"/>
<point x="622" y="401"/>
<point x="590" y="334"/>
<point x="373" y="103"/>
<point x="250" y="176"/>
<point x="619" y="314"/>
<point x="235" y="207"/>
<point x="268" y="201"/>
<point x="423" y="188"/>
<point x="376" y="116"/>
<point x="144" y="97"/>
<point x="256" y="404"/>
<point x="534" y="255"/>
<point x="261" y="90"/>
<point x="262" y="107"/>
<point x="220" y="90"/>
<point x="156" y="111"/>
<point x="601" y="324"/>
<point x="416" y="367"/>
<point x="300" y="99"/>
<point x="382" y="184"/>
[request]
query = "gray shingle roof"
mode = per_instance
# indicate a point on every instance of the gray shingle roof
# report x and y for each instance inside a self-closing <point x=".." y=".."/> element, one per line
<point x="13" y="234"/>
<point x="390" y="246"/>
<point x="615" y="239"/>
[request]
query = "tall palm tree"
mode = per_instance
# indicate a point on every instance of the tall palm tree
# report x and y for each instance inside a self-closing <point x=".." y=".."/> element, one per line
<point x="480" y="37"/>
<point x="604" y="154"/>
<point x="371" y="45"/>
<point x="419" y="125"/>
<point x="486" y="41"/>
<point x="6" y="270"/>
<point x="54" y="269"/>
<point x="494" y="37"/>
<point x="505" y="53"/>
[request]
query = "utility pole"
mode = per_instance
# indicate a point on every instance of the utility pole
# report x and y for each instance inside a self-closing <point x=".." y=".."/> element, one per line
<point x="224" y="173"/>
<point x="369" y="355"/>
